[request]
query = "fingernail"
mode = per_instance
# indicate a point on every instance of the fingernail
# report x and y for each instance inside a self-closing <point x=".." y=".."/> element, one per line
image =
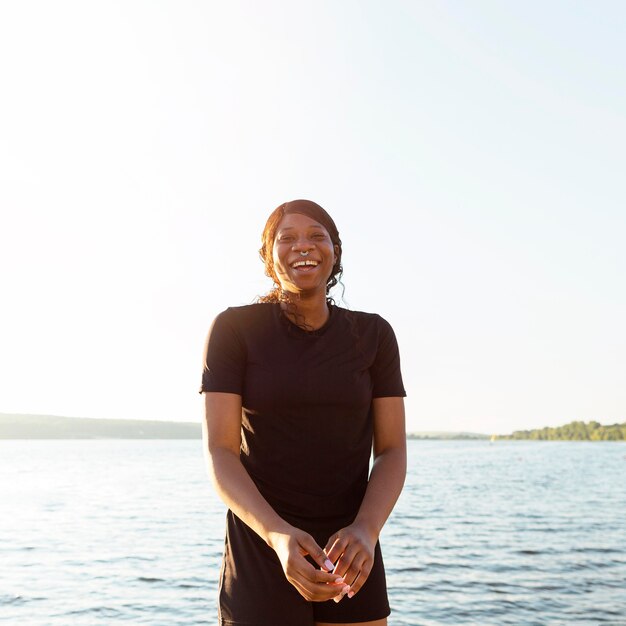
<point x="338" y="598"/>
<point x="339" y="579"/>
<point x="351" y="594"/>
<point x="328" y="564"/>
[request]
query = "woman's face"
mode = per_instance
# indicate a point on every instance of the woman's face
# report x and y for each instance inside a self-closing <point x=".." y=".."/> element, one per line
<point x="303" y="255"/>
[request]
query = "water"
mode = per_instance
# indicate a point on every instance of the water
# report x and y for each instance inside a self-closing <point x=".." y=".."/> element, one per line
<point x="130" y="532"/>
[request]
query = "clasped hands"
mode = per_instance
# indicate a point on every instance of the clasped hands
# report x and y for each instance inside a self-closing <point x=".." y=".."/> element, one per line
<point x="345" y="562"/>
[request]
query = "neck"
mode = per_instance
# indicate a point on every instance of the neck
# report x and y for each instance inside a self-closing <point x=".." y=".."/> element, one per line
<point x="308" y="313"/>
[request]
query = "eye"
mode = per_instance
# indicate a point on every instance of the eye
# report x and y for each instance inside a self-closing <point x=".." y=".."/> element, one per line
<point x="318" y="236"/>
<point x="285" y="238"/>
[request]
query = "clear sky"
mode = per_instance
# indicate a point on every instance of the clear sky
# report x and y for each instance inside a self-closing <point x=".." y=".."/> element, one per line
<point x="471" y="153"/>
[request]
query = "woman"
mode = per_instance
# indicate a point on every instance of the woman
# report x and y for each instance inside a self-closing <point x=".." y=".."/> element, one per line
<point x="296" y="390"/>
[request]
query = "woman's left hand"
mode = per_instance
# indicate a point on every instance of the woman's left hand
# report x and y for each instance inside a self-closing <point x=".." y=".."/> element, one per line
<point x="354" y="547"/>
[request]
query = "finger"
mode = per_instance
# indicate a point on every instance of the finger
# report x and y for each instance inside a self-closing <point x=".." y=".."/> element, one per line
<point x="338" y="545"/>
<point x="345" y="591"/>
<point x="316" y="592"/>
<point x="300" y="569"/>
<point x="351" y="564"/>
<point x="353" y="571"/>
<point x="320" y="577"/>
<point x="301" y="589"/>
<point x="310" y="547"/>
<point x="330" y="542"/>
<point x="313" y="593"/>
<point x="345" y="561"/>
<point x="354" y="580"/>
<point x="360" y="579"/>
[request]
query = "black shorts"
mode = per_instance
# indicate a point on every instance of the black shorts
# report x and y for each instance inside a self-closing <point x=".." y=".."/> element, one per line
<point x="255" y="592"/>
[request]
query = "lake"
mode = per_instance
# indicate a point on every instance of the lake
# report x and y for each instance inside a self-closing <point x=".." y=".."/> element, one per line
<point x="130" y="532"/>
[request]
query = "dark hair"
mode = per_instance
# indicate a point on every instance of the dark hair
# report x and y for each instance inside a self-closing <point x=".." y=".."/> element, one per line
<point x="315" y="212"/>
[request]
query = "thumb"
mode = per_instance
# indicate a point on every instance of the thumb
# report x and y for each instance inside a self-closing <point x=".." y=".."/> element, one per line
<point x="309" y="545"/>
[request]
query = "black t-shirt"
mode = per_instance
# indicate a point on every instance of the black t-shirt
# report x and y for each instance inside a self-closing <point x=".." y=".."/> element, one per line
<point x="306" y="396"/>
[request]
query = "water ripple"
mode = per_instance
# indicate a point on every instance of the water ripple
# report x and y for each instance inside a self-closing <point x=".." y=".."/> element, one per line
<point x="519" y="534"/>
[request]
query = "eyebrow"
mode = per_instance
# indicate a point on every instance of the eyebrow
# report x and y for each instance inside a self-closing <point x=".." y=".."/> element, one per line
<point x="311" y="226"/>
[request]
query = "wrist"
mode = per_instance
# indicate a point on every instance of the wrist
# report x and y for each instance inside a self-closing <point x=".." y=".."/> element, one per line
<point x="368" y="525"/>
<point x="274" y="534"/>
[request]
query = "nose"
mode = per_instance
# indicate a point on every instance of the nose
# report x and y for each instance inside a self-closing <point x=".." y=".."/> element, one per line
<point x="302" y="245"/>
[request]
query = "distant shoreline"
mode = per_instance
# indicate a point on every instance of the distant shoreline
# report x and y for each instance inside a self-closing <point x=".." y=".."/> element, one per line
<point x="444" y="435"/>
<point x="16" y="426"/>
<point x="574" y="431"/>
<point x="23" y="426"/>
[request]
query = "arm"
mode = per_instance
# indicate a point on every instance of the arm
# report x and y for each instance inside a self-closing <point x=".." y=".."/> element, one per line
<point x="354" y="545"/>
<point x="222" y="441"/>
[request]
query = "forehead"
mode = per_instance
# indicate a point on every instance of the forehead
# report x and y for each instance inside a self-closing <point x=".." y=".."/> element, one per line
<point x="295" y="221"/>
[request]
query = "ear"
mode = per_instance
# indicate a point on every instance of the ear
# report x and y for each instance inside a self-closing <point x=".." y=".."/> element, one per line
<point x="336" y="255"/>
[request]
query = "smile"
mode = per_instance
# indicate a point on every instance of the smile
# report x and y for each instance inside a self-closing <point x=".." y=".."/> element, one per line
<point x="304" y="263"/>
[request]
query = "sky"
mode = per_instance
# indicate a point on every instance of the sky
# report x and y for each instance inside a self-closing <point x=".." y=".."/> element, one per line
<point x="472" y="155"/>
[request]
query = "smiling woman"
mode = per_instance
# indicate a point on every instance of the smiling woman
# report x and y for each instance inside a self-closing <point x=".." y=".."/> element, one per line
<point x="300" y="236"/>
<point x="294" y="230"/>
<point x="297" y="392"/>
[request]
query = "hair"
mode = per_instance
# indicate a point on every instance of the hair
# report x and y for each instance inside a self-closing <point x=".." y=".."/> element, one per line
<point x="315" y="212"/>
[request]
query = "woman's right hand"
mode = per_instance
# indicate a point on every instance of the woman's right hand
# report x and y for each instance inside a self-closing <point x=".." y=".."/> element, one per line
<point x="315" y="585"/>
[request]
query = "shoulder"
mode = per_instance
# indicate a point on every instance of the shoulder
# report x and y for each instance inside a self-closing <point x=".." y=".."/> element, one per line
<point x="233" y="327"/>
<point x="246" y="312"/>
<point x="246" y="317"/>
<point x="364" y="319"/>
<point x="369" y="329"/>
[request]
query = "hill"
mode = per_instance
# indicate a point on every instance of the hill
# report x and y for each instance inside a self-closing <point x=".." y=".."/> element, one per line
<point x="574" y="431"/>
<point x="55" y="427"/>
<point x="445" y="435"/>
<point x="20" y="426"/>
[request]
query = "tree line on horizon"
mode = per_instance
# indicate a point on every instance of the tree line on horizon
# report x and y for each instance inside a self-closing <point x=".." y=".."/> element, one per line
<point x="574" y="431"/>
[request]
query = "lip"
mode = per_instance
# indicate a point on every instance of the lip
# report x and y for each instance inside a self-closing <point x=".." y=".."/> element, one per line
<point x="307" y="264"/>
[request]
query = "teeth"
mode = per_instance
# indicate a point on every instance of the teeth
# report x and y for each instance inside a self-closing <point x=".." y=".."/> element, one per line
<point x="301" y="263"/>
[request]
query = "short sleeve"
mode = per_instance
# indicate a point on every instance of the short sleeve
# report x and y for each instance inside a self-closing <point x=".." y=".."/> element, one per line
<point x="385" y="370"/>
<point x="224" y="357"/>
